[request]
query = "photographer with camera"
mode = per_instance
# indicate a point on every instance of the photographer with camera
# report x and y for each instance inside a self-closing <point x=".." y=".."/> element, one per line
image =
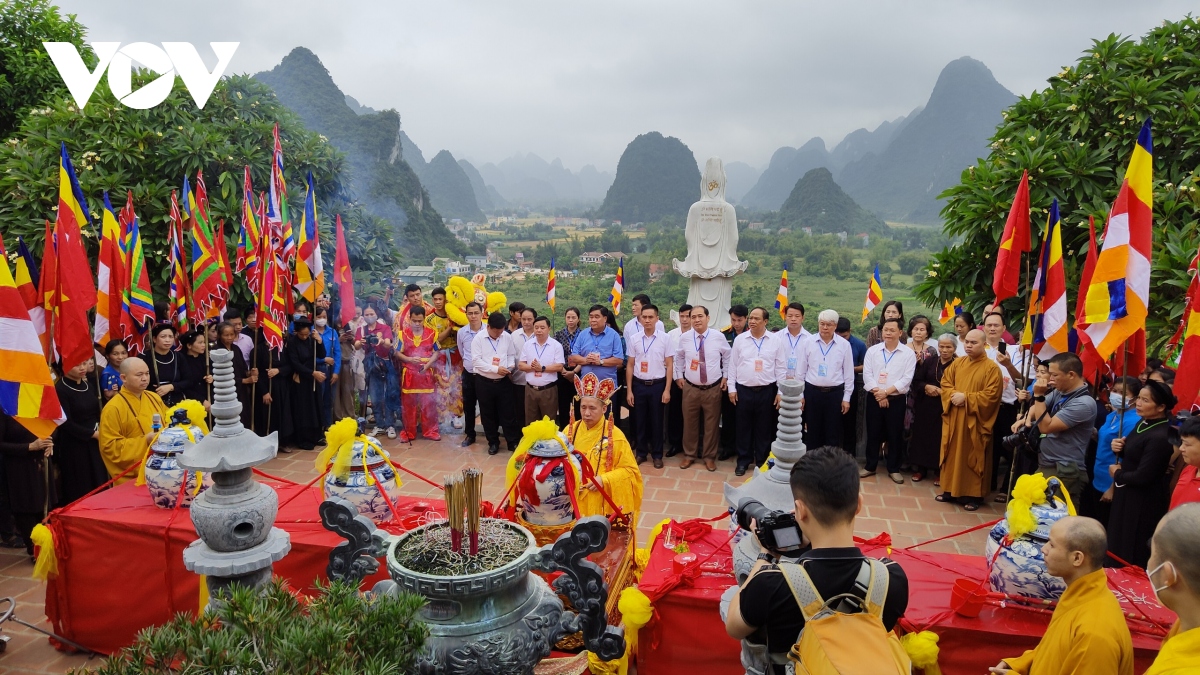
<point x="1066" y="417"/>
<point x="765" y="610"/>
<point x="375" y="338"/>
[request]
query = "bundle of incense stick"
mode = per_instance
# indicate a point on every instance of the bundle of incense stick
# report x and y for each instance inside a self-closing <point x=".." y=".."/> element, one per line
<point x="455" y="497"/>
<point x="473" y="493"/>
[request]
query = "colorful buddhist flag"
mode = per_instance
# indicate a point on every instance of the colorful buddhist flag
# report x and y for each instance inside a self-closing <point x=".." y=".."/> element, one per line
<point x="137" y="297"/>
<point x="950" y="309"/>
<point x="343" y="276"/>
<point x="27" y="287"/>
<point x="223" y="265"/>
<point x="310" y="270"/>
<point x="550" y="281"/>
<point x="110" y="278"/>
<point x="1119" y="292"/>
<point x="874" y="294"/>
<point x="248" y="236"/>
<point x="1093" y="365"/>
<point x="1187" y="345"/>
<point x="179" y="293"/>
<point x="1013" y="243"/>
<point x="781" y="296"/>
<point x="271" y="313"/>
<point x="279" y="192"/>
<point x="26" y="389"/>
<point x="1046" y="324"/>
<point x="206" y="292"/>
<point x="614" y="298"/>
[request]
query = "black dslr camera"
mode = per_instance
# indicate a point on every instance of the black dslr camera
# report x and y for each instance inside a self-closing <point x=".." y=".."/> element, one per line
<point x="1024" y="440"/>
<point x="372" y="339"/>
<point x="777" y="531"/>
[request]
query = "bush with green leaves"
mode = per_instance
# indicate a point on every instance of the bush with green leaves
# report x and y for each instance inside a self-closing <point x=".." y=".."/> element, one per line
<point x="27" y="75"/>
<point x="1075" y="139"/>
<point x="339" y="632"/>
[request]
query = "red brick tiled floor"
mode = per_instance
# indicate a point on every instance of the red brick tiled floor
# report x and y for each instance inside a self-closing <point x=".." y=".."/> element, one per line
<point x="907" y="511"/>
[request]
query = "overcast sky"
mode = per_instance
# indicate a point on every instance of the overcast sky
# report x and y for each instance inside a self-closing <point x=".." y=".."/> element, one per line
<point x="578" y="80"/>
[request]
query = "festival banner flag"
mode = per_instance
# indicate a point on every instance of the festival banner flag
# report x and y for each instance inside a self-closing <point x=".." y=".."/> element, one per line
<point x="781" y="296"/>
<point x="310" y="270"/>
<point x="248" y="236"/>
<point x="137" y="297"/>
<point x="1186" y="350"/>
<point x="950" y="309"/>
<point x="226" y="272"/>
<point x="271" y="317"/>
<point x="343" y="276"/>
<point x="179" y="294"/>
<point x="874" y="294"/>
<point x="206" y="291"/>
<point x="1174" y="350"/>
<point x="1013" y="243"/>
<point x="26" y="388"/>
<point x="550" y="281"/>
<point x="1093" y="365"/>
<point x="614" y="298"/>
<point x="110" y="278"/>
<point x="1119" y="292"/>
<point x="27" y="287"/>
<point x="1046" y="324"/>
<point x="279" y="192"/>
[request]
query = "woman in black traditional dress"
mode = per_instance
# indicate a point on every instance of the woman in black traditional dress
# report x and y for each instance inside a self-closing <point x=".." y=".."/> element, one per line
<point x="243" y="376"/>
<point x="193" y="366"/>
<point x="925" y="443"/>
<point x="271" y="392"/>
<point x="26" y="459"/>
<point x="77" y="440"/>
<point x="166" y="374"/>
<point x="1140" y="490"/>
<point x="302" y="353"/>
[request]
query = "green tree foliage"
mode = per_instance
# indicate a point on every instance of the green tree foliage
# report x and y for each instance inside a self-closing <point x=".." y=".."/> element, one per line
<point x="148" y="152"/>
<point x="818" y="203"/>
<point x="339" y="632"/>
<point x="1075" y="139"/>
<point x="910" y="262"/>
<point x="656" y="176"/>
<point x="27" y="76"/>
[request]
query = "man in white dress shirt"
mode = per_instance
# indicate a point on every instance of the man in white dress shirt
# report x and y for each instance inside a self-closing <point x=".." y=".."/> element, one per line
<point x="675" y="406"/>
<point x="466" y="337"/>
<point x="701" y="359"/>
<point x="794" y="337"/>
<point x="542" y="360"/>
<point x="756" y="363"/>
<point x="519" y="338"/>
<point x="633" y="327"/>
<point x="827" y="367"/>
<point x="492" y="361"/>
<point x="887" y="373"/>
<point x="646" y="386"/>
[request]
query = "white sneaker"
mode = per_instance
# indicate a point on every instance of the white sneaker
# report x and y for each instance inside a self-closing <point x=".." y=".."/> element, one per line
<point x="376" y="431"/>
<point x="456" y="422"/>
<point x="391" y="431"/>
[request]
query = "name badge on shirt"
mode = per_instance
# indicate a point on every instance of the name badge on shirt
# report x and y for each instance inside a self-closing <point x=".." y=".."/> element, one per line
<point x="644" y="367"/>
<point x="883" y="377"/>
<point x="822" y="370"/>
<point x="791" y="363"/>
<point x="695" y="365"/>
<point x="495" y="360"/>
<point x="758" y="365"/>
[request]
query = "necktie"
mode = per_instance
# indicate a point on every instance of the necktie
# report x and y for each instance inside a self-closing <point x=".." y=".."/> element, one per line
<point x="703" y="365"/>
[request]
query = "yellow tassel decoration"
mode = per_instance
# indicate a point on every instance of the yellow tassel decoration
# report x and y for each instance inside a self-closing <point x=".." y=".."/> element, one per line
<point x="196" y="414"/>
<point x="1029" y="491"/>
<point x="636" y="611"/>
<point x="47" y="562"/>
<point x="542" y="430"/>
<point x="922" y="648"/>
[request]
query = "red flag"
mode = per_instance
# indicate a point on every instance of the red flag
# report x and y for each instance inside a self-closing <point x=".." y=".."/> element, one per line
<point x="1134" y="349"/>
<point x="76" y="295"/>
<point x="1013" y="243"/>
<point x="48" y="287"/>
<point x="223" y="262"/>
<point x="1092" y="363"/>
<point x="343" y="276"/>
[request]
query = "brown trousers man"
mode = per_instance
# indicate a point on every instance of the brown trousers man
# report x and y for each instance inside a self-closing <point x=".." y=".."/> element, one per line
<point x="540" y="402"/>
<point x="700" y="402"/>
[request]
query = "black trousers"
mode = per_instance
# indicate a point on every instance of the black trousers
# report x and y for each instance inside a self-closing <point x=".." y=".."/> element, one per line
<point x="729" y="419"/>
<point x="885" y="424"/>
<point x="850" y="422"/>
<point x="566" y="392"/>
<point x="756" y="422"/>
<point x="516" y="393"/>
<point x="1005" y="417"/>
<point x="469" y="399"/>
<point x="822" y="417"/>
<point x="675" y="418"/>
<point x="496" y="409"/>
<point x="648" y="411"/>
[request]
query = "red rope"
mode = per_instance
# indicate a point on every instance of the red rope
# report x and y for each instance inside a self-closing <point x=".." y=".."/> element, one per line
<point x="379" y="486"/>
<point x="956" y="534"/>
<point x="304" y="490"/>
<point x="268" y="476"/>
<point x="416" y="475"/>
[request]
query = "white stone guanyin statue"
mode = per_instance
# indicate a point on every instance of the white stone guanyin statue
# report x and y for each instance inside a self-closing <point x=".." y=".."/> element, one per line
<point x="712" y="238"/>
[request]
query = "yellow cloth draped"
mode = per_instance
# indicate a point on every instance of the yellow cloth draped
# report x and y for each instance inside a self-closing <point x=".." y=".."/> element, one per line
<point x="618" y="471"/>
<point x="1180" y="653"/>
<point x="124" y="423"/>
<point x="967" y="429"/>
<point x="1087" y="635"/>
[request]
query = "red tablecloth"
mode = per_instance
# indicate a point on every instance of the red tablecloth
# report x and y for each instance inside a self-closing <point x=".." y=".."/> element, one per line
<point x="687" y="634"/>
<point x="120" y="560"/>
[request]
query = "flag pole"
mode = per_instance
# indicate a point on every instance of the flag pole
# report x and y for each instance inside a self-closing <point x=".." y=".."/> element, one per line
<point x="254" y="384"/>
<point x="1025" y="358"/>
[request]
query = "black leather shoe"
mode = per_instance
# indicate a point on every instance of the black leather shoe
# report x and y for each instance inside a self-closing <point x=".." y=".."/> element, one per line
<point x="671" y="452"/>
<point x="726" y="453"/>
<point x="493" y="448"/>
<point x="740" y="471"/>
<point x="468" y="441"/>
<point x="641" y="459"/>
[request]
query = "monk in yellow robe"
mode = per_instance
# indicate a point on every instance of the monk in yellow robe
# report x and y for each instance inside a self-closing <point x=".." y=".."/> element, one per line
<point x="1174" y="572"/>
<point x="126" y="423"/>
<point x="1087" y="634"/>
<point x="614" y="463"/>
<point x="971" y="391"/>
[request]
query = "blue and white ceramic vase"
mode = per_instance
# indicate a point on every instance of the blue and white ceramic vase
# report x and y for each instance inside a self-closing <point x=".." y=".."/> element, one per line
<point x="354" y="488"/>
<point x="163" y="473"/>
<point x="1020" y="567"/>
<point x="549" y="503"/>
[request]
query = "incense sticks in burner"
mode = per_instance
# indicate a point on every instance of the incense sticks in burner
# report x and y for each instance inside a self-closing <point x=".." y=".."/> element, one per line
<point x="464" y="496"/>
<point x="472" y="481"/>
<point x="455" y="497"/>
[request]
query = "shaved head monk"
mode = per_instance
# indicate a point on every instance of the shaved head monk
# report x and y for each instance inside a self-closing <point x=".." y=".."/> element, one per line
<point x="126" y="423"/>
<point x="971" y="390"/>
<point x="1174" y="571"/>
<point x="1087" y="633"/>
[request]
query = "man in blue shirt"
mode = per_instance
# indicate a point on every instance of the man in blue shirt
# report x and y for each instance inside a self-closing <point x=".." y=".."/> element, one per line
<point x="598" y="350"/>
<point x="850" y="421"/>
<point x="333" y="363"/>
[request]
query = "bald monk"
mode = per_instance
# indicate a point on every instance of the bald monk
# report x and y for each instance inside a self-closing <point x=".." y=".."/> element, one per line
<point x="126" y="424"/>
<point x="1087" y="634"/>
<point x="971" y="389"/>
<point x="1174" y="570"/>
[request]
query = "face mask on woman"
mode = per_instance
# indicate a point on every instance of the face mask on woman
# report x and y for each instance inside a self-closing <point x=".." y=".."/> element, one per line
<point x="1117" y="401"/>
<point x="371" y="320"/>
<point x="321" y="323"/>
